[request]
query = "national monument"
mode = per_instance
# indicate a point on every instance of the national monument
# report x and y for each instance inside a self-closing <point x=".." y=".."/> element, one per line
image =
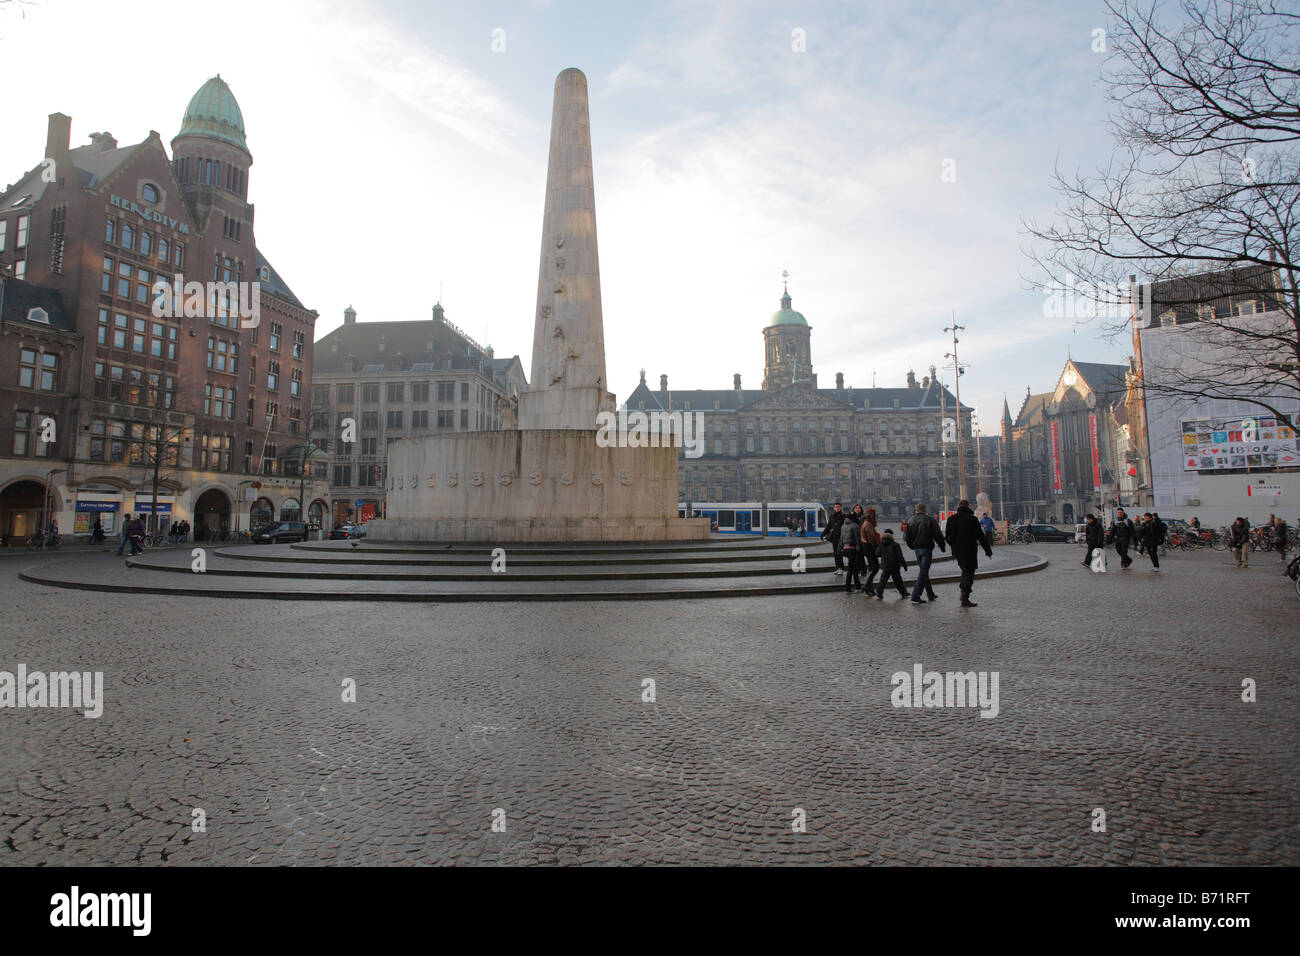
<point x="549" y="479"/>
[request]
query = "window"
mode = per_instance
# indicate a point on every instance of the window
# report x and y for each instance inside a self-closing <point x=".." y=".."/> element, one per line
<point x="342" y="475"/>
<point x="370" y="421"/>
<point x="346" y="394"/>
<point x="273" y="376"/>
<point x="180" y="255"/>
<point x="106" y="280"/>
<point x="27" y="368"/>
<point x="446" y="391"/>
<point x="124" y="280"/>
<point x="420" y="418"/>
<point x="149" y="193"/>
<point x="49" y="372"/>
<point x="275" y="337"/>
<point x="142" y="286"/>
<point x="128" y="237"/>
<point x="395" y="391"/>
<point x="370" y="394"/>
<point x="20" y="268"/>
<point x="464" y="418"/>
<point x="22" y="432"/>
<point x="295" y="382"/>
<point x="445" y="419"/>
<point x="110" y="230"/>
<point x="163" y="249"/>
<point x="420" y="392"/>
<point x="297" y="345"/>
<point x="146" y="243"/>
<point x="464" y="392"/>
<point x="394" y="420"/>
<point x="21" y="240"/>
<point x="369" y="446"/>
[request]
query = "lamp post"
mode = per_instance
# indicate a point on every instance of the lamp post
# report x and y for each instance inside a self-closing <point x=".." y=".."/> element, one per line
<point x="956" y="378"/>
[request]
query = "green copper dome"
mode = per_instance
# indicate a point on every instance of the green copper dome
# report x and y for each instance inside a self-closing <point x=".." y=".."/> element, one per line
<point x="213" y="112"/>
<point x="787" y="315"/>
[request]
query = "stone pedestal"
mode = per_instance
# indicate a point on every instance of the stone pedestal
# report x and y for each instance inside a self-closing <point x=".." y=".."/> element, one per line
<point x="538" y="485"/>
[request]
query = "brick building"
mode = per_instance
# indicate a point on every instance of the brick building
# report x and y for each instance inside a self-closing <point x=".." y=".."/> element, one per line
<point x="221" y="400"/>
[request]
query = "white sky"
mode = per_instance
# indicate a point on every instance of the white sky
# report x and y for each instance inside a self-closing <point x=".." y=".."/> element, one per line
<point x="394" y="150"/>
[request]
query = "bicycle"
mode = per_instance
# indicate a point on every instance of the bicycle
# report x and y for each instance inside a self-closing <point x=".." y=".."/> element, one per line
<point x="43" y="540"/>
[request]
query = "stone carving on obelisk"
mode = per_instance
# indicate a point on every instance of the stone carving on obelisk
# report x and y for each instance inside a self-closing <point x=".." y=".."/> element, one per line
<point x="568" y="384"/>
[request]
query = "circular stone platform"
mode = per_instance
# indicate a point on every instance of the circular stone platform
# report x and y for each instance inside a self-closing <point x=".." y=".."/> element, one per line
<point x="393" y="571"/>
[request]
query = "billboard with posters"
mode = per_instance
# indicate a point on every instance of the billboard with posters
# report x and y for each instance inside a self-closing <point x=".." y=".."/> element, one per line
<point x="1056" y="457"/>
<point x="1221" y="444"/>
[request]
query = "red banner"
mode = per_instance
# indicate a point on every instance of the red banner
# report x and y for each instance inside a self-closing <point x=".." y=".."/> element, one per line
<point x="1096" y="452"/>
<point x="1056" y="457"/>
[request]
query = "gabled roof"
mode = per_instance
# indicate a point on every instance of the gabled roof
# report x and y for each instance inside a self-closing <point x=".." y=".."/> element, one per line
<point x="1105" y="380"/>
<point x="275" y="286"/>
<point x="1034" y="409"/>
<point x="18" y="297"/>
<point x="405" y="344"/>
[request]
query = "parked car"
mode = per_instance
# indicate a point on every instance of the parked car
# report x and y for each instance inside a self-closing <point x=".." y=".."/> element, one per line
<point x="345" y="531"/>
<point x="1049" y="532"/>
<point x="280" y="533"/>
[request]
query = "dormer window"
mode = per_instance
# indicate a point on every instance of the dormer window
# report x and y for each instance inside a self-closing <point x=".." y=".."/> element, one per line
<point x="38" y="314"/>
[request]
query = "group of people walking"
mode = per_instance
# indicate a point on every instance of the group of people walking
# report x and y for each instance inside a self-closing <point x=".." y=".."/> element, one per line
<point x="860" y="545"/>
<point x="1148" y="533"/>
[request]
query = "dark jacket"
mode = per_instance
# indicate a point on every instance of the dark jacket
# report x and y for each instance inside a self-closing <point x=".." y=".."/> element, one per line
<point x="1238" y="534"/>
<point x="1122" y="532"/>
<point x="967" y="538"/>
<point x="923" y="532"/>
<point x="891" y="555"/>
<point x="832" y="532"/>
<point x="1279" y="535"/>
<point x="1158" y="529"/>
<point x="1093" y="536"/>
<point x="850" y="534"/>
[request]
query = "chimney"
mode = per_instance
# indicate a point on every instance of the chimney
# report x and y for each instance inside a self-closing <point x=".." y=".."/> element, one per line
<point x="663" y="383"/>
<point x="349" y="315"/>
<point x="104" y="141"/>
<point x="735" y="381"/>
<point x="58" y="135"/>
<point x="925" y="382"/>
<point x="839" y="381"/>
<point x="911" y="379"/>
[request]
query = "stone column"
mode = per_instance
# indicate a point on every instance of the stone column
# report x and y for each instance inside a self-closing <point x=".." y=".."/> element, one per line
<point x="568" y="386"/>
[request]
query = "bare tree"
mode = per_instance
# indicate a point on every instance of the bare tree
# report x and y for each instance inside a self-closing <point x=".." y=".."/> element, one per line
<point x="1202" y="188"/>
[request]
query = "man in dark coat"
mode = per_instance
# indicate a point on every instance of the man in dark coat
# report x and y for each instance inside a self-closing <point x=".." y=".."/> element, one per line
<point x="1122" y="532"/>
<point x="966" y="538"/>
<point x="832" y="534"/>
<point x="923" y="535"/>
<point x="1093" y="537"/>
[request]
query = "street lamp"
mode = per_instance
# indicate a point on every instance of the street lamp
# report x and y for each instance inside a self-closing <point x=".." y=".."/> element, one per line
<point x="957" y="372"/>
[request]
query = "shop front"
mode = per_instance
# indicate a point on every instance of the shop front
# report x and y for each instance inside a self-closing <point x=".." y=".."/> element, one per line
<point x="106" y="508"/>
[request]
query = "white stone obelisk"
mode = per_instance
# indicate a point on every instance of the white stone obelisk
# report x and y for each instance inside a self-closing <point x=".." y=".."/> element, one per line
<point x="568" y="387"/>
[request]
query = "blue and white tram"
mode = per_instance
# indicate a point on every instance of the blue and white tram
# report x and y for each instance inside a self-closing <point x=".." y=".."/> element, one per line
<point x="746" y="517"/>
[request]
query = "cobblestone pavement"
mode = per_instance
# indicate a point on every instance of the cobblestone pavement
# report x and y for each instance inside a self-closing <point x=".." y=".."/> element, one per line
<point x="1117" y="691"/>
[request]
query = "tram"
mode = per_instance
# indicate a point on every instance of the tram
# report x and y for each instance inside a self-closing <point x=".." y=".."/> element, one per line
<point x="746" y="517"/>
